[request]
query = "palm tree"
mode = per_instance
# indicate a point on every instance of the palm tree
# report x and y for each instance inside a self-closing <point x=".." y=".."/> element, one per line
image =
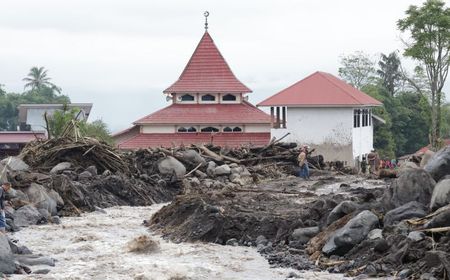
<point x="37" y="79"/>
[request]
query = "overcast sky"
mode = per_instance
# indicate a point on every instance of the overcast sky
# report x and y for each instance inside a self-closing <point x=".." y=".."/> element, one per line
<point x="121" y="55"/>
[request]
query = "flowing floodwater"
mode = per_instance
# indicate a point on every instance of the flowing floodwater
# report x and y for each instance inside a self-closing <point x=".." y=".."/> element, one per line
<point x="93" y="246"/>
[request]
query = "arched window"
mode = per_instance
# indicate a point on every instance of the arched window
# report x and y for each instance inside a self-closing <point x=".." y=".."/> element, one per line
<point x="229" y="97"/>
<point x="237" y="129"/>
<point x="191" y="129"/>
<point x="187" y="97"/>
<point x="182" y="129"/>
<point x="227" y="129"/>
<point x="208" y="97"/>
<point x="209" y="129"/>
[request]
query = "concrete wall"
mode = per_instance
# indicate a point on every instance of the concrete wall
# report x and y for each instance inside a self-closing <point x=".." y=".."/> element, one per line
<point x="158" y="129"/>
<point x="362" y="140"/>
<point x="257" y="128"/>
<point x="329" y="130"/>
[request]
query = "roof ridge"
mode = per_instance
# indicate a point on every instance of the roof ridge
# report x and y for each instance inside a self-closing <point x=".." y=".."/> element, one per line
<point x="324" y="75"/>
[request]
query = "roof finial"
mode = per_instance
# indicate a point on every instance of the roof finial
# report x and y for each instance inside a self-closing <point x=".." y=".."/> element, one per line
<point x="206" y="14"/>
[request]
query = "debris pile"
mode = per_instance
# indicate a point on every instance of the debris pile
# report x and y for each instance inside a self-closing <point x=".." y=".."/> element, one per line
<point x="400" y="230"/>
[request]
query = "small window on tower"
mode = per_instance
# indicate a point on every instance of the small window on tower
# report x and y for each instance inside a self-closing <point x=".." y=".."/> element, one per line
<point x="229" y="97"/>
<point x="182" y="129"/>
<point x="209" y="129"/>
<point x="237" y="129"/>
<point x="187" y="97"/>
<point x="191" y="129"/>
<point x="227" y="129"/>
<point x="208" y="97"/>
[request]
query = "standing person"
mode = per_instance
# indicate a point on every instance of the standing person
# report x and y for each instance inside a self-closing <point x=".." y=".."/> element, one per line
<point x="3" y="189"/>
<point x="303" y="163"/>
<point x="364" y="165"/>
<point x="372" y="157"/>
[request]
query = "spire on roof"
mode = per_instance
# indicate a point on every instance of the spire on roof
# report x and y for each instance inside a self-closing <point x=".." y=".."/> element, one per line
<point x="206" y="14"/>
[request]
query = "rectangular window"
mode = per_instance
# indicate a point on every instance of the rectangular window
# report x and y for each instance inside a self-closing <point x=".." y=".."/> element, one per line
<point x="357" y="118"/>
<point x="370" y="117"/>
<point x="365" y="117"/>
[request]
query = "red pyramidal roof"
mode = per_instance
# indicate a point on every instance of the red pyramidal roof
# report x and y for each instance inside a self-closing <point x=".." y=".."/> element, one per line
<point x="207" y="72"/>
<point x="320" y="89"/>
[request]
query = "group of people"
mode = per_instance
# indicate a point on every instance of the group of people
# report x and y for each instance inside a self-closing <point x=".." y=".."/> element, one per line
<point x="376" y="163"/>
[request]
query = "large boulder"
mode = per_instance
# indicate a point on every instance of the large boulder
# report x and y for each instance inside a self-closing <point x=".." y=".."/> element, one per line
<point x="38" y="195"/>
<point x="355" y="231"/>
<point x="342" y="209"/>
<point x="426" y="158"/>
<point x="171" y="166"/>
<point x="60" y="167"/>
<point x="194" y="157"/>
<point x="411" y="185"/>
<point x="15" y="164"/>
<point x="441" y="194"/>
<point x="442" y="219"/>
<point x="303" y="235"/>
<point x="7" y="264"/>
<point x="439" y="164"/>
<point x="26" y="216"/>
<point x="222" y="170"/>
<point x="407" y="211"/>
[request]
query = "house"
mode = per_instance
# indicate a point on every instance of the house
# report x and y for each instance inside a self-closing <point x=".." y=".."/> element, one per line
<point x="325" y="113"/>
<point x="12" y="142"/>
<point x="208" y="105"/>
<point x="31" y="116"/>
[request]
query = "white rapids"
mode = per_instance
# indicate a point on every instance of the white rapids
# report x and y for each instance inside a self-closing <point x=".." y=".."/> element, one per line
<point x="93" y="246"/>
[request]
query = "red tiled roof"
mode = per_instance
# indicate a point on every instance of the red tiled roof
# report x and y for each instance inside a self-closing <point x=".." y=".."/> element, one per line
<point x="426" y="148"/>
<point x="232" y="139"/>
<point x="20" y="137"/>
<point x="320" y="89"/>
<point x="207" y="72"/>
<point x="241" y="113"/>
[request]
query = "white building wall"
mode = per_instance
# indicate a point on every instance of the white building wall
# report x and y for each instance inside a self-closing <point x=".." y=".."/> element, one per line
<point x="257" y="128"/>
<point x="328" y="130"/>
<point x="158" y="129"/>
<point x="362" y="140"/>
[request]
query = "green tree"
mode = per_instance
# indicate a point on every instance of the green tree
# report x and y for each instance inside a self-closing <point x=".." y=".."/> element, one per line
<point x="389" y="72"/>
<point x="357" y="69"/>
<point x="38" y="79"/>
<point x="98" y="129"/>
<point x="429" y="28"/>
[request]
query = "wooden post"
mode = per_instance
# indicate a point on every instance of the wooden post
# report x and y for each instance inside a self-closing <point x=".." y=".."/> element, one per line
<point x="284" y="116"/>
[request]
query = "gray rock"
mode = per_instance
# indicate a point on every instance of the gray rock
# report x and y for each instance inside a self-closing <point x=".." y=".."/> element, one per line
<point x="56" y="197"/>
<point x="411" y="185"/>
<point x="222" y="170"/>
<point x="440" y="220"/>
<point x="14" y="164"/>
<point x="27" y="215"/>
<point x="355" y="231"/>
<point x="245" y="172"/>
<point x="210" y="169"/>
<point x="194" y="157"/>
<point x="407" y="211"/>
<point x="232" y="242"/>
<point x="7" y="264"/>
<point x="405" y="273"/>
<point x="84" y="175"/>
<point x="235" y="170"/>
<point x="426" y="158"/>
<point x="439" y="164"/>
<point x="375" y="234"/>
<point x="56" y="220"/>
<point x="234" y="176"/>
<point x="38" y="195"/>
<point x="60" y="167"/>
<point x="441" y="194"/>
<point x="93" y="170"/>
<point x="171" y="166"/>
<point x="200" y="174"/>
<point x="19" y="250"/>
<point x="303" y="235"/>
<point x="35" y="260"/>
<point x="408" y="165"/>
<point x="261" y="240"/>
<point x="416" y="235"/>
<point x="100" y="210"/>
<point x="342" y="209"/>
<point x="42" y="271"/>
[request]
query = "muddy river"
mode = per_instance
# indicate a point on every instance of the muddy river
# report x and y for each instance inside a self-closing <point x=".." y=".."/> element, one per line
<point x="93" y="246"/>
